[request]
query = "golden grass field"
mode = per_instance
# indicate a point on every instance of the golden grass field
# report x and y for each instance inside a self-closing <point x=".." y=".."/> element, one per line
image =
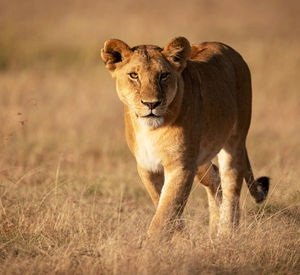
<point x="71" y="201"/>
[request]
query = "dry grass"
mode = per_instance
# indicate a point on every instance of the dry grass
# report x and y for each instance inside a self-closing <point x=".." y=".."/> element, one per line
<point x="70" y="198"/>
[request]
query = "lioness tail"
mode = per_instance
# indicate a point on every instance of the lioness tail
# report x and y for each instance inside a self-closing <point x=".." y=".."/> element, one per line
<point x="259" y="187"/>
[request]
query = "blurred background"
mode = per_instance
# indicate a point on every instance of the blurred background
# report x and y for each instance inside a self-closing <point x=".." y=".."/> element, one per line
<point x="58" y="102"/>
<point x="56" y="95"/>
<point x="71" y="32"/>
<point x="61" y="124"/>
<point x="59" y="105"/>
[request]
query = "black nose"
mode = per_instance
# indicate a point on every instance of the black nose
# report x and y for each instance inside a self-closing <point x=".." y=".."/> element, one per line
<point x="151" y="105"/>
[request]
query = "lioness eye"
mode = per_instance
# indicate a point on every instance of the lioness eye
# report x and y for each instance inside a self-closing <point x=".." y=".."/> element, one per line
<point x="164" y="76"/>
<point x="134" y="75"/>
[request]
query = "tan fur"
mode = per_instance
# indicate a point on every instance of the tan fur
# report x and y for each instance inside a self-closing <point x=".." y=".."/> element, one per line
<point x="204" y="110"/>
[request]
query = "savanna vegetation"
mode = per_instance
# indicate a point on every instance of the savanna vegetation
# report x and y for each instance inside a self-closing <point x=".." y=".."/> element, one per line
<point x="71" y="201"/>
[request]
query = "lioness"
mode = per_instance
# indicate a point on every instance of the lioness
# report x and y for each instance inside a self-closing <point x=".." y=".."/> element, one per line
<point x="184" y="105"/>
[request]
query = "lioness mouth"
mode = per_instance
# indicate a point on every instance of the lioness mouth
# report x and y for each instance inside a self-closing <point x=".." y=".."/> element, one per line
<point x="151" y="115"/>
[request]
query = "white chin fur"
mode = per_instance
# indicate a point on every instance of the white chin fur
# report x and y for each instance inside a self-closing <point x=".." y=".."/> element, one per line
<point x="151" y="122"/>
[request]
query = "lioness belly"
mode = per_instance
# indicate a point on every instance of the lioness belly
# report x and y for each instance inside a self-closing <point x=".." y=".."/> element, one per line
<point x="207" y="154"/>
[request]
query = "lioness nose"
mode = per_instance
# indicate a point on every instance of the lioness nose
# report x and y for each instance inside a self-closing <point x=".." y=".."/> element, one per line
<point x="151" y="105"/>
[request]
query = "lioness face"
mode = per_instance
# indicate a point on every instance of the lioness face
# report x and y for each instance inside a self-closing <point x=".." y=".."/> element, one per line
<point x="146" y="76"/>
<point x="147" y="84"/>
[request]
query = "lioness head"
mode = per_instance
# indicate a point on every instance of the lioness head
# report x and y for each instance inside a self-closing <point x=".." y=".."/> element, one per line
<point x="147" y="76"/>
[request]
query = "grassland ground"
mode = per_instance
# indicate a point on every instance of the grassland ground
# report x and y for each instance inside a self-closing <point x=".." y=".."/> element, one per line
<point x="71" y="201"/>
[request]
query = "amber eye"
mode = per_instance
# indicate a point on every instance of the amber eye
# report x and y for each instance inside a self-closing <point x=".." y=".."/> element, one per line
<point x="134" y="75"/>
<point x="164" y="76"/>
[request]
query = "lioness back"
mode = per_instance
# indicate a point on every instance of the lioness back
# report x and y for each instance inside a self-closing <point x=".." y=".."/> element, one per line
<point x="220" y="63"/>
<point x="217" y="96"/>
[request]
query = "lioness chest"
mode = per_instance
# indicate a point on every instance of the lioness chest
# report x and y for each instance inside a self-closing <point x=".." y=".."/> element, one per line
<point x="147" y="152"/>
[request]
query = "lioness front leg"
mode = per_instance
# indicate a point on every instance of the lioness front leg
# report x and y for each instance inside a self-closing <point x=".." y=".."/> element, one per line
<point x="173" y="198"/>
<point x="153" y="182"/>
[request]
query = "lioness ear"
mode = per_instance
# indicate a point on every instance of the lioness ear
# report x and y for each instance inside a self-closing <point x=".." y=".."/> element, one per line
<point x="114" y="51"/>
<point x="177" y="52"/>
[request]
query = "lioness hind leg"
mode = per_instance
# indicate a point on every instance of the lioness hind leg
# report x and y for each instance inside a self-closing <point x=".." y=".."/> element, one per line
<point x="208" y="176"/>
<point x="231" y="168"/>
